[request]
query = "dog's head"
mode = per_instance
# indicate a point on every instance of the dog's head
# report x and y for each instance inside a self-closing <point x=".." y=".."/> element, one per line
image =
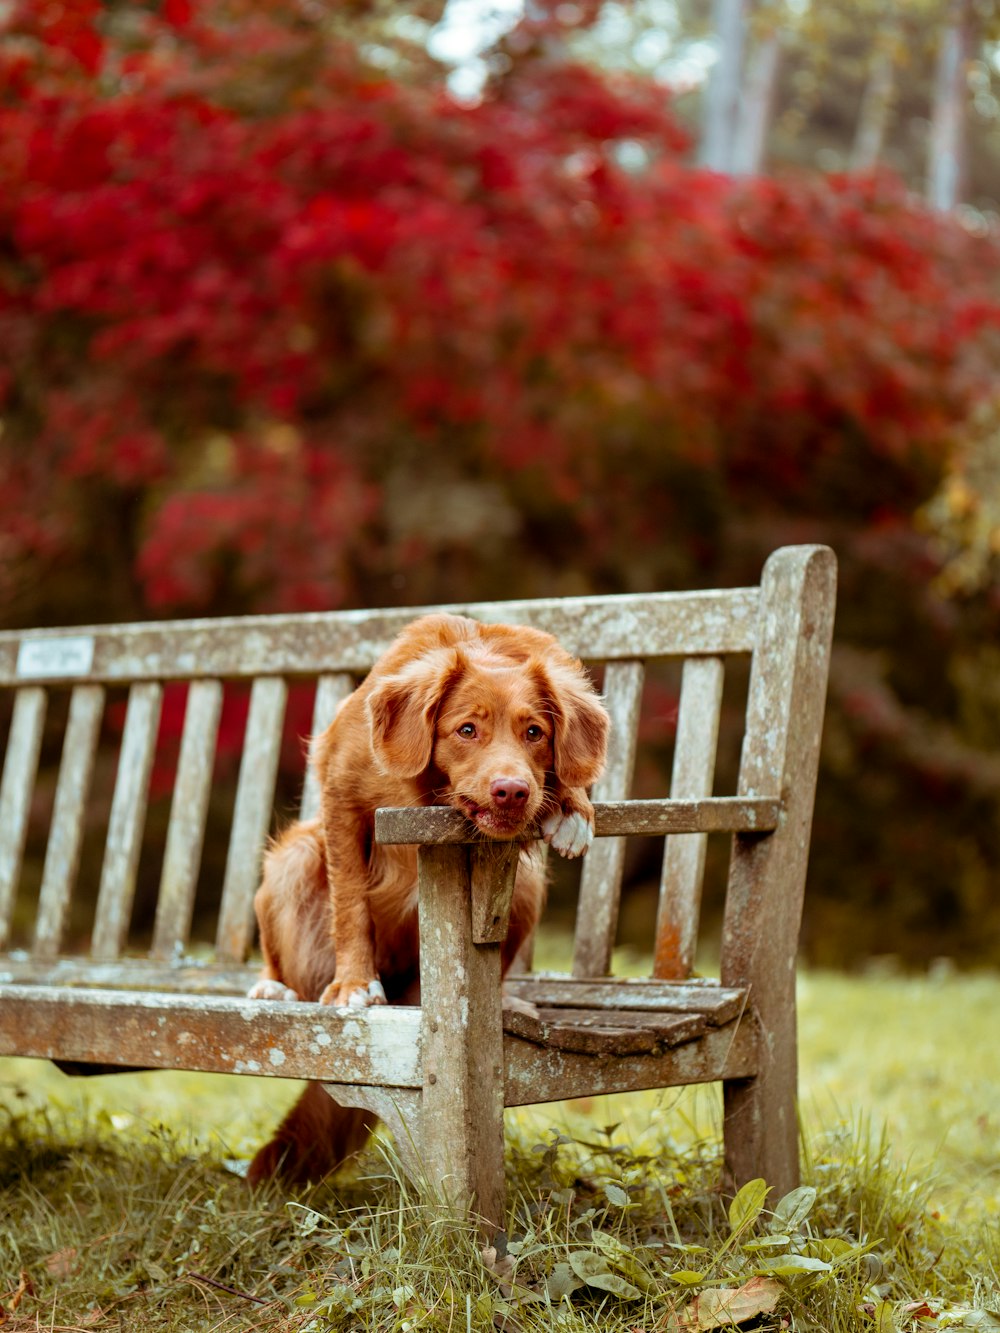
<point x="492" y="728"/>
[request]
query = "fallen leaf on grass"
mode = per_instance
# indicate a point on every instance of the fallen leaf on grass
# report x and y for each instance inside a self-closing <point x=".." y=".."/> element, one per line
<point x="62" y="1263"/>
<point x="592" y="1268"/>
<point x="12" y="1299"/>
<point x="721" y="1307"/>
<point x="919" y="1310"/>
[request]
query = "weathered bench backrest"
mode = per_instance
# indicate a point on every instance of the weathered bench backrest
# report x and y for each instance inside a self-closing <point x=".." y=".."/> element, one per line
<point x="335" y="649"/>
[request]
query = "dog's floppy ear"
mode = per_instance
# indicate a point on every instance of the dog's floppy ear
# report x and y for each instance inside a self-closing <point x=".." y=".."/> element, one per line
<point x="402" y="711"/>
<point x="581" y="723"/>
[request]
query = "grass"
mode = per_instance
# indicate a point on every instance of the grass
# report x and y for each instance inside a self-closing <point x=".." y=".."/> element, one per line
<point x="120" y="1202"/>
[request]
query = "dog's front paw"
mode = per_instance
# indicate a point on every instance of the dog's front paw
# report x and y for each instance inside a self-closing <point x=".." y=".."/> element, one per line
<point x="269" y="989"/>
<point x="353" y="994"/>
<point x="570" y="834"/>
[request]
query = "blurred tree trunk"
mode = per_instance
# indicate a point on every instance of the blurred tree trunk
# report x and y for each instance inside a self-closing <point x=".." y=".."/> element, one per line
<point x="947" y="142"/>
<point x="873" y="118"/>
<point x="755" y="107"/>
<point x="722" y="95"/>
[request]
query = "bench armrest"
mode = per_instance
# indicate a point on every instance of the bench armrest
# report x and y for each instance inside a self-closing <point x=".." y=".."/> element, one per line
<point x="443" y="824"/>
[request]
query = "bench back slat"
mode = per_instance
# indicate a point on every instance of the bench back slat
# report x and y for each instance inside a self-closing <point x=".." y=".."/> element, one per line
<point x="62" y="853"/>
<point x="693" y="776"/>
<point x="601" y="877"/>
<point x="331" y="691"/>
<point x="188" y="812"/>
<point x="19" y="772"/>
<point x="251" y="817"/>
<point x="127" y="820"/>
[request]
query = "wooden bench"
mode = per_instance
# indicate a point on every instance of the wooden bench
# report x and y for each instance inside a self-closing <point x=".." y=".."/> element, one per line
<point x="440" y="1074"/>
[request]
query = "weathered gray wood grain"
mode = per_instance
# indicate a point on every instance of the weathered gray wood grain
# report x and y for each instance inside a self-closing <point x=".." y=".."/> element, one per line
<point x="188" y="812"/>
<point x="20" y="769"/>
<point x="232" y="1036"/>
<point x="180" y="975"/>
<point x="492" y="876"/>
<point x="601" y="878"/>
<point x="534" y="1074"/>
<point x="462" y="1111"/>
<point x="684" y="853"/>
<point x="717" y="814"/>
<point x="632" y="995"/>
<point x="62" y="852"/>
<point x="767" y="875"/>
<point x="604" y="1033"/>
<point x="598" y="628"/>
<point x="251" y="817"/>
<point x="128" y="817"/>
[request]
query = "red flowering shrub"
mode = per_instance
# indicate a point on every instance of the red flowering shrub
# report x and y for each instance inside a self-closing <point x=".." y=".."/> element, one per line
<point x="279" y="332"/>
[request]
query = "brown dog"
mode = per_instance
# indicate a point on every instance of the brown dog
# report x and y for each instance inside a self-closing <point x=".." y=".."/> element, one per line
<point x="497" y="720"/>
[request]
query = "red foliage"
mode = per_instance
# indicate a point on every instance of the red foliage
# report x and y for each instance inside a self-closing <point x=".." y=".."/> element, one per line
<point x="247" y="312"/>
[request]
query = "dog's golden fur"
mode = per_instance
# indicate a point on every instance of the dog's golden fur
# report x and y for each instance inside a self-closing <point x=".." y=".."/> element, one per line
<point x="497" y="720"/>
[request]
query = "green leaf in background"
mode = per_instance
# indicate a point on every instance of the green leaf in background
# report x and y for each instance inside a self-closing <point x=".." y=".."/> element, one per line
<point x="616" y="1195"/>
<point x="766" y="1243"/>
<point x="687" y="1277"/>
<point x="748" y="1205"/>
<point x="793" y="1209"/>
<point x="562" y="1281"/>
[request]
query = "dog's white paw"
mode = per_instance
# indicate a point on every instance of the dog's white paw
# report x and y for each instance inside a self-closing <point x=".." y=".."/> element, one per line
<point x="570" y="835"/>
<point x="365" y="996"/>
<point x="269" y="989"/>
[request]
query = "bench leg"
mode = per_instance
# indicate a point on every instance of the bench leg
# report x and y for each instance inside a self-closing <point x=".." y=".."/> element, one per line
<point x="760" y="1121"/>
<point x="463" y="1094"/>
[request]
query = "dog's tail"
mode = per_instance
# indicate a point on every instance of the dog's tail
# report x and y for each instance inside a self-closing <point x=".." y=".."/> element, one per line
<point x="313" y="1139"/>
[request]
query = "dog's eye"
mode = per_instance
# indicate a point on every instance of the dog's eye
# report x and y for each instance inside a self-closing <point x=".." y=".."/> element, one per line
<point x="468" y="730"/>
<point x="535" y="733"/>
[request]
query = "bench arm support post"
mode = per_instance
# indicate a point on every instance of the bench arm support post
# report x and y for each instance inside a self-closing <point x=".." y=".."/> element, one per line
<point x="767" y="872"/>
<point x="461" y="1132"/>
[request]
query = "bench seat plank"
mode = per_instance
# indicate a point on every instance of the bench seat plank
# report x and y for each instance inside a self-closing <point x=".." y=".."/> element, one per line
<point x="604" y="1032"/>
<point x="636" y="995"/>
<point x="536" y="1073"/>
<point x="183" y="976"/>
<point x="214" y="1035"/>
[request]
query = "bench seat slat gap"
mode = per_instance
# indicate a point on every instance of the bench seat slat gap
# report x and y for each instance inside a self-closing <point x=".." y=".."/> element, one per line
<point x="128" y="817"/>
<point x="20" y="770"/>
<point x="601" y="877"/>
<point x="62" y="854"/>
<point x="188" y="811"/>
<point x="251" y="816"/>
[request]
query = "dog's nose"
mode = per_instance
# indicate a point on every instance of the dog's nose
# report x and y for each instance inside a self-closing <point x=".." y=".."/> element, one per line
<point x="509" y="791"/>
